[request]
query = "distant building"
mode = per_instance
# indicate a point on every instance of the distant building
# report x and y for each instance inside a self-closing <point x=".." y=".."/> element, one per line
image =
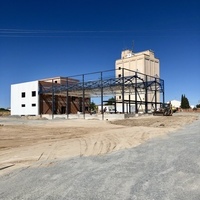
<point x="26" y="98"/>
<point x="175" y="103"/>
<point x="143" y="62"/>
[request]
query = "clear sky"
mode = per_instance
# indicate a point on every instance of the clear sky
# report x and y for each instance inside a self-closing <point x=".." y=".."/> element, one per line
<point x="47" y="38"/>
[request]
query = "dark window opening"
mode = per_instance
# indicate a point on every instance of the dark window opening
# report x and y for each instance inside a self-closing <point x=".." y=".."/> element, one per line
<point x="33" y="104"/>
<point x="23" y="105"/>
<point x="119" y="75"/>
<point x="63" y="109"/>
<point x="33" y="93"/>
<point x="73" y="98"/>
<point x="55" y="81"/>
<point x="119" y="97"/>
<point x="23" y="94"/>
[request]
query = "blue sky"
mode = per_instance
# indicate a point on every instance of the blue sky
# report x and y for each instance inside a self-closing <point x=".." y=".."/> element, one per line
<point x="47" y="38"/>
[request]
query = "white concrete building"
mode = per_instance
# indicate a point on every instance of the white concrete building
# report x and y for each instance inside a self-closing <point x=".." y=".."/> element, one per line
<point x="24" y="98"/>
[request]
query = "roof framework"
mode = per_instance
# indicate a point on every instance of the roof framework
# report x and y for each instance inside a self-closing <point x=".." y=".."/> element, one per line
<point x="138" y="87"/>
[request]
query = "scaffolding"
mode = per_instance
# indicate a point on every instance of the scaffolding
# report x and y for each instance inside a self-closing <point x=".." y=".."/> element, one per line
<point x="142" y="91"/>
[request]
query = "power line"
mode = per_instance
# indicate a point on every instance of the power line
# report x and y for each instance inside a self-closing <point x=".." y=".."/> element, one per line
<point x="93" y="33"/>
<point x="89" y="31"/>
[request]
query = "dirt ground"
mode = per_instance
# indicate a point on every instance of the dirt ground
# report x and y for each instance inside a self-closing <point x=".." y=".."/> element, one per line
<point x="33" y="143"/>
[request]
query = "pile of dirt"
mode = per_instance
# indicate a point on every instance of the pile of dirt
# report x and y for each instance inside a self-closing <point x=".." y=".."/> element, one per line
<point x="158" y="121"/>
<point x="4" y="113"/>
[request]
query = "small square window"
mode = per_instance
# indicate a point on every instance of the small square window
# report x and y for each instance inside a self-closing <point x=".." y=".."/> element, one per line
<point x="119" y="75"/>
<point x="23" y="105"/>
<point x="33" y="104"/>
<point x="33" y="93"/>
<point x="23" y="94"/>
<point x="119" y="97"/>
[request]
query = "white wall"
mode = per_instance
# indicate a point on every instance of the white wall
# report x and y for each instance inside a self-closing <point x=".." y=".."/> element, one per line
<point x="126" y="108"/>
<point x="28" y="105"/>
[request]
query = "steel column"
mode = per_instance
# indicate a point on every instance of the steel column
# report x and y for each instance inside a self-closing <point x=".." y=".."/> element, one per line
<point x="67" y="99"/>
<point x="102" y="110"/>
<point x="122" y="90"/>
<point x="146" y="95"/>
<point x="155" y="94"/>
<point x="83" y="100"/>
<point x="163" y="92"/>
<point x="52" y="106"/>
<point x="136" y="103"/>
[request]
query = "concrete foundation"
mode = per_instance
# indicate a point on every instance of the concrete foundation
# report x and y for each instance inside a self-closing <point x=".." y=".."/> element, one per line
<point x="106" y="116"/>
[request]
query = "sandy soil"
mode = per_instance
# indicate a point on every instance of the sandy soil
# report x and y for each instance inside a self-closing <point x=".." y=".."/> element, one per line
<point x="43" y="142"/>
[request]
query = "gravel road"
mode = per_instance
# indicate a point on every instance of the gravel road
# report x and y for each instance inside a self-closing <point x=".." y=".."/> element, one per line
<point x="163" y="168"/>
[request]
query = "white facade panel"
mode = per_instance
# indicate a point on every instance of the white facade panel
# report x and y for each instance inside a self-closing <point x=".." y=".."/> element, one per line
<point x="25" y="99"/>
<point x="119" y="108"/>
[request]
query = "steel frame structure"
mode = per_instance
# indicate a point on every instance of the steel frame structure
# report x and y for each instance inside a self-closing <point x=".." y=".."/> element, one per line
<point x="135" y="85"/>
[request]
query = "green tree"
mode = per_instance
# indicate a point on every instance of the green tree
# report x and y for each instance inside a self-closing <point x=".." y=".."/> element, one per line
<point x="184" y="102"/>
<point x="198" y="106"/>
<point x="93" y="106"/>
<point x="3" y="109"/>
<point x="110" y="101"/>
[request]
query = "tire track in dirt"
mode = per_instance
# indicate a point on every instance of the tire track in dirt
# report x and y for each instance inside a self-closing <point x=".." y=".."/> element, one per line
<point x="97" y="146"/>
<point x="32" y="146"/>
<point x="83" y="146"/>
<point x="101" y="143"/>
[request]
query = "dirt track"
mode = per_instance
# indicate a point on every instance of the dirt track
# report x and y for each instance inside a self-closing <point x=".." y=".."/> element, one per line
<point x="25" y="143"/>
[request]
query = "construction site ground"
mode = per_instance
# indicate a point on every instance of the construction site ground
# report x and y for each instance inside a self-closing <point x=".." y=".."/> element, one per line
<point x="27" y="142"/>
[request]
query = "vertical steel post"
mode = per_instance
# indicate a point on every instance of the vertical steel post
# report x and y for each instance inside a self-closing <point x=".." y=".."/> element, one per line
<point x="163" y="92"/>
<point x="67" y="99"/>
<point x="52" y="106"/>
<point x="83" y="100"/>
<point x="115" y="105"/>
<point x="155" y="94"/>
<point x="39" y="100"/>
<point x="146" y="95"/>
<point x="102" y="110"/>
<point x="136" y="103"/>
<point x="123" y="90"/>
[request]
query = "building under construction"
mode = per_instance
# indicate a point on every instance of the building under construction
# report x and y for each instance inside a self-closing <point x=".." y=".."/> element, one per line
<point x="133" y="90"/>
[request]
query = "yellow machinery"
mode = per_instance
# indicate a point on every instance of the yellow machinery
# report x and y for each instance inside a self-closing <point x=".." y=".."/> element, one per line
<point x="165" y="110"/>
